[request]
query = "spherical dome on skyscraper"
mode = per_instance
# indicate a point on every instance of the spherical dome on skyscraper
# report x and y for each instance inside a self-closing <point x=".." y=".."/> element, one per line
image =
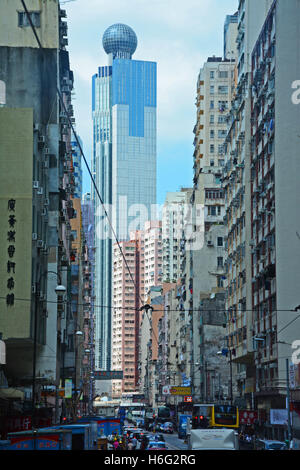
<point x="119" y="40"/>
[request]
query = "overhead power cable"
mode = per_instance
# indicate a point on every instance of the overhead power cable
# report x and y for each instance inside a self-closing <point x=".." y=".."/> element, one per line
<point x="86" y="163"/>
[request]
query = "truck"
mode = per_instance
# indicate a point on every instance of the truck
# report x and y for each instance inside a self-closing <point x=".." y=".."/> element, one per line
<point x="39" y="439"/>
<point x="84" y="435"/>
<point x="105" y="425"/>
<point x="182" y="425"/>
<point x="212" y="439"/>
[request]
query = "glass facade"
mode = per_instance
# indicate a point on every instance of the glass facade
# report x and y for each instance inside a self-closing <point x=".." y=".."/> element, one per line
<point x="124" y="163"/>
<point x="120" y="41"/>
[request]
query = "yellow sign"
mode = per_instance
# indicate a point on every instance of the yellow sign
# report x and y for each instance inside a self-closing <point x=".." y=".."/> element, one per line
<point x="180" y="391"/>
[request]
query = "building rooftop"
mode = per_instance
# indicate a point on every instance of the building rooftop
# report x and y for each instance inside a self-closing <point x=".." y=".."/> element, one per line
<point x="120" y="41"/>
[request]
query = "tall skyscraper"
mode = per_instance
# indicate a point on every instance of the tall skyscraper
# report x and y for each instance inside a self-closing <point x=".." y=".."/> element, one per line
<point x="124" y="162"/>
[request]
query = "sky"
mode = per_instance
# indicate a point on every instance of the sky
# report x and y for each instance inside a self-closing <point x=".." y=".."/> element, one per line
<point x="177" y="34"/>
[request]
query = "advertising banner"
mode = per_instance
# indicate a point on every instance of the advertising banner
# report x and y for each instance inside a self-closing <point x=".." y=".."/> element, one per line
<point x="171" y="390"/>
<point x="248" y="417"/>
<point x="68" y="388"/>
<point x="278" y="416"/>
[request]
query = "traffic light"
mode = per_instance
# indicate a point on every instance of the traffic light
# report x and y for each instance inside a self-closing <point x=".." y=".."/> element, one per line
<point x="203" y="422"/>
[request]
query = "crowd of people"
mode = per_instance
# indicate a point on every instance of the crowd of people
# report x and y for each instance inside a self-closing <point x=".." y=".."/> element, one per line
<point x="128" y="442"/>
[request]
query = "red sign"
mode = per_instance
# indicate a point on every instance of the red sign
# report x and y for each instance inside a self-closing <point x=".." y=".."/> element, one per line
<point x="188" y="399"/>
<point x="23" y="423"/>
<point x="248" y="416"/>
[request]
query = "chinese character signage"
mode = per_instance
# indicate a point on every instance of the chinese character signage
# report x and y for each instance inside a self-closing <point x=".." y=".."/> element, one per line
<point x="171" y="390"/>
<point x="248" y="417"/>
<point x="16" y="202"/>
<point x="188" y="399"/>
<point x="108" y="374"/>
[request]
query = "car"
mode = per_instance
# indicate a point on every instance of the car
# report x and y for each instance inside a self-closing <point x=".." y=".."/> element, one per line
<point x="137" y="434"/>
<point x="156" y="445"/>
<point x="158" y="437"/>
<point x="139" y="422"/>
<point x="168" y="428"/>
<point x="266" y="444"/>
<point x="150" y="426"/>
<point x="160" y="427"/>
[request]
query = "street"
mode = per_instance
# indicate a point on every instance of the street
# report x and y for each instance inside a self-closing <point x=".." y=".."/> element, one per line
<point x="173" y="443"/>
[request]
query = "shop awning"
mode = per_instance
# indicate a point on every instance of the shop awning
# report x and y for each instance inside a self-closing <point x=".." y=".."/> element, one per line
<point x="12" y="393"/>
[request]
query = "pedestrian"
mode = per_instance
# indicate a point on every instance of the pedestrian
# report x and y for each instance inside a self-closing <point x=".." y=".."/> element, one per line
<point x="138" y="445"/>
<point x="134" y="442"/>
<point x="130" y="446"/>
<point x="116" y="445"/>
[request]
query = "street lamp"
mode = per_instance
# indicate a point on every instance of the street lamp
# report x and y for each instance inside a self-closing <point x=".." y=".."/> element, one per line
<point x="78" y="334"/>
<point x="220" y="353"/>
<point x="59" y="290"/>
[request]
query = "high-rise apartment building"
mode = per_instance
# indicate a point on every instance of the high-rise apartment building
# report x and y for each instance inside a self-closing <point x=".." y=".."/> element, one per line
<point x="236" y="185"/>
<point x="275" y="198"/>
<point x="37" y="182"/>
<point x="173" y="219"/>
<point x="125" y="318"/>
<point x="77" y="168"/>
<point x="204" y="263"/>
<point x="152" y="256"/>
<point x="214" y="94"/>
<point x="230" y="34"/>
<point x="124" y="161"/>
<point x="135" y="272"/>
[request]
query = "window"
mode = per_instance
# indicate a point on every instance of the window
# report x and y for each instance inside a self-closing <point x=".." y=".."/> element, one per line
<point x="212" y="104"/>
<point x="220" y="241"/>
<point x="222" y="133"/>
<point x="212" y="210"/>
<point x="212" y="162"/>
<point x="212" y="134"/>
<point x="223" y="89"/>
<point x="212" y="119"/>
<point x="212" y="89"/>
<point x="212" y="75"/>
<point x="223" y="74"/>
<point x="214" y="194"/>
<point x="212" y="148"/>
<point x="221" y="149"/>
<point x="35" y="18"/>
<point x="223" y="105"/>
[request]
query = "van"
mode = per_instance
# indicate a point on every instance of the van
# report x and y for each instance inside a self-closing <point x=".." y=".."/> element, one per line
<point x="265" y="444"/>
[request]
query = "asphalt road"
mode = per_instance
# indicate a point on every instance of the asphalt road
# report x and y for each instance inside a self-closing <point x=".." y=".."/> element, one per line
<point x="173" y="443"/>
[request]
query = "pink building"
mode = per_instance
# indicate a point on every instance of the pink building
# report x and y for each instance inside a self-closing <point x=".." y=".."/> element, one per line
<point x="143" y="256"/>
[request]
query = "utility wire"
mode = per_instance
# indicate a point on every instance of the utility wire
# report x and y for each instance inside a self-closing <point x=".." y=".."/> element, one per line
<point x="86" y="163"/>
<point x="102" y="203"/>
<point x="138" y="309"/>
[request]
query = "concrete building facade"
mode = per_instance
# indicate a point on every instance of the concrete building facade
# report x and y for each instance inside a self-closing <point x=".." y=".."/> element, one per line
<point x="47" y="145"/>
<point x="274" y="229"/>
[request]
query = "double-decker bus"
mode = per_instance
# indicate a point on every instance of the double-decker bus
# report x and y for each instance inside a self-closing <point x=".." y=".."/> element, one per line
<point x="132" y="410"/>
<point x="215" y="416"/>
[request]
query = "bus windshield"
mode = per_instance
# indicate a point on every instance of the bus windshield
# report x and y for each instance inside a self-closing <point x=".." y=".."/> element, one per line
<point x="202" y="410"/>
<point x="225" y="414"/>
